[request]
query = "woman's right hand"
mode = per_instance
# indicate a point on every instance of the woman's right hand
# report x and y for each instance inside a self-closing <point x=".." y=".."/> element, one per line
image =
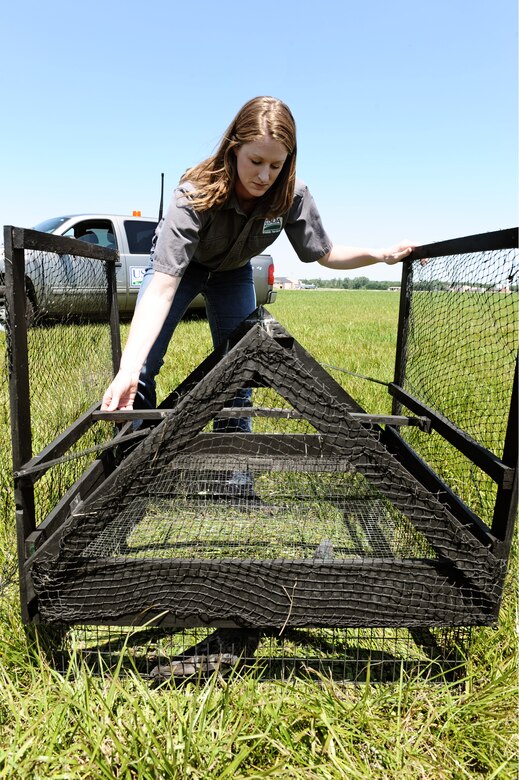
<point x="121" y="393"/>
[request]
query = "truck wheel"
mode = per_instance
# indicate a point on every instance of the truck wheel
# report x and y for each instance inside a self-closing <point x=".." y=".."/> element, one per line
<point x="30" y="310"/>
<point x="3" y="313"/>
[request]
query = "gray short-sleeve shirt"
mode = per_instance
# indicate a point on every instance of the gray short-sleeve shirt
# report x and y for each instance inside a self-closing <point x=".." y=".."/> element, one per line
<point x="226" y="238"/>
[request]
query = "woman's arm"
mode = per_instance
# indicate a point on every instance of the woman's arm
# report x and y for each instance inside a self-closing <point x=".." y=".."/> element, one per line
<point x="346" y="258"/>
<point x="147" y="321"/>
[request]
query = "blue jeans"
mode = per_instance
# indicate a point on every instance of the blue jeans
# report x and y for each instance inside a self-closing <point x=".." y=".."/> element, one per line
<point x="230" y="298"/>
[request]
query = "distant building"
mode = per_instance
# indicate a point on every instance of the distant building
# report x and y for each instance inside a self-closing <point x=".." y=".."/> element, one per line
<point x="466" y="288"/>
<point x="394" y="289"/>
<point x="283" y="283"/>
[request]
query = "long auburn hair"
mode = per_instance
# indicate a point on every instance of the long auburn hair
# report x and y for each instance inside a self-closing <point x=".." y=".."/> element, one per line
<point x="214" y="178"/>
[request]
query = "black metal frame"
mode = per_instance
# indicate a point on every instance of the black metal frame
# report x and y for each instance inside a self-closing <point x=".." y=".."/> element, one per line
<point x="16" y="241"/>
<point x="503" y="471"/>
<point x="492" y="544"/>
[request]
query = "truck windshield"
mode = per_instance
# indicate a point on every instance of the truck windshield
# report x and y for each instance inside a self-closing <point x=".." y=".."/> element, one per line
<point x="50" y="225"/>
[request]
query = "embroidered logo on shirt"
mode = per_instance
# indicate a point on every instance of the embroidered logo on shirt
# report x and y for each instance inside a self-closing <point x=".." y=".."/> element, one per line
<point x="272" y="225"/>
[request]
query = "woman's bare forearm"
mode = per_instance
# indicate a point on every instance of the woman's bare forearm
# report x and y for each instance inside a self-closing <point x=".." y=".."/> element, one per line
<point x="148" y="319"/>
<point x="347" y="258"/>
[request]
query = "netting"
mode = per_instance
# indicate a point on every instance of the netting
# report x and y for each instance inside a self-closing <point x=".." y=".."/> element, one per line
<point x="323" y="528"/>
<point x="460" y="359"/>
<point x="313" y="520"/>
<point x="68" y="346"/>
<point x="64" y="287"/>
<point x="265" y="512"/>
<point x="377" y="655"/>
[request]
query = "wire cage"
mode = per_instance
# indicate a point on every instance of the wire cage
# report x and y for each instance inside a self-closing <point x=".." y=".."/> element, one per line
<point x="324" y="538"/>
<point x="357" y="655"/>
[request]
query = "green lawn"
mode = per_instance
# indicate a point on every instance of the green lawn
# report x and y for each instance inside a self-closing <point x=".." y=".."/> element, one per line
<point x="79" y="725"/>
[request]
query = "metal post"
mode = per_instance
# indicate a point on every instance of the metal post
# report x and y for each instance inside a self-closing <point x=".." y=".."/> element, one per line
<point x="506" y="500"/>
<point x="19" y="397"/>
<point x="113" y="313"/>
<point x="403" y="324"/>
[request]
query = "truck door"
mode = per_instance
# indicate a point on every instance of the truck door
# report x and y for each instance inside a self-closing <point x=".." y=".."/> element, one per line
<point x="88" y="277"/>
<point x="139" y="233"/>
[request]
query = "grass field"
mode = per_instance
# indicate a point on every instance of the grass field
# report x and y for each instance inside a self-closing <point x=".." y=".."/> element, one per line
<point x="76" y="725"/>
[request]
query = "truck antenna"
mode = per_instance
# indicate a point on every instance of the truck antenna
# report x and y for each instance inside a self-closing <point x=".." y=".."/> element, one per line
<point x="161" y="195"/>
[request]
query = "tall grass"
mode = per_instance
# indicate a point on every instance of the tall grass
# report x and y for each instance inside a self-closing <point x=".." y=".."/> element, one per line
<point x="77" y="725"/>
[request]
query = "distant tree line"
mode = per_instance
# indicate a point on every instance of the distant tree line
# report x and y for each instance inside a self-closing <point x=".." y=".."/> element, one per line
<point x="358" y="283"/>
<point x="363" y="283"/>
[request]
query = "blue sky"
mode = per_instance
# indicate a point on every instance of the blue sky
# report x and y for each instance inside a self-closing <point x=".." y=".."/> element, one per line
<point x="406" y="110"/>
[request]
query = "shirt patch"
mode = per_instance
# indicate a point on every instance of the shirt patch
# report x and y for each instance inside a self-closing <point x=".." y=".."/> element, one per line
<point x="272" y="226"/>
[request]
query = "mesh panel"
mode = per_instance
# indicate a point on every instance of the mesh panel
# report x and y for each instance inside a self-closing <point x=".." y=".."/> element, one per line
<point x="56" y="360"/>
<point x="323" y="528"/>
<point x="380" y="655"/>
<point x="308" y="521"/>
<point x="460" y="360"/>
<point x="69" y="346"/>
<point x="239" y="510"/>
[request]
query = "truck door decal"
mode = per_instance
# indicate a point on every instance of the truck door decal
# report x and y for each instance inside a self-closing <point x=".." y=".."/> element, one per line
<point x="136" y="275"/>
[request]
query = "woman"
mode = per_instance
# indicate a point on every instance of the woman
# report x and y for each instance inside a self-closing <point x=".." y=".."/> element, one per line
<point x="225" y="211"/>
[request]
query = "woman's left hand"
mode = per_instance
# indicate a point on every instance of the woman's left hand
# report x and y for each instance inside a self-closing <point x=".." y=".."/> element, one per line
<point x="397" y="253"/>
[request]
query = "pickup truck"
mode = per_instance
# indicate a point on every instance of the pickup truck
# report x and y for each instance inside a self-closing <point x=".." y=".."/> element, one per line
<point x="132" y="237"/>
